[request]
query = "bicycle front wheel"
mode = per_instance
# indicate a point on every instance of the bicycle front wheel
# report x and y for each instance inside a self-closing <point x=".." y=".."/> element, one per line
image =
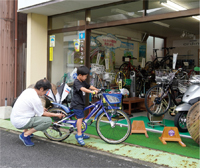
<point x="57" y="132"/>
<point x="154" y="103"/>
<point x="125" y="68"/>
<point x="115" y="131"/>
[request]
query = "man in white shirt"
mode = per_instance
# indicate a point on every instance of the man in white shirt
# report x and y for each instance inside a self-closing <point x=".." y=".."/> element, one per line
<point x="29" y="114"/>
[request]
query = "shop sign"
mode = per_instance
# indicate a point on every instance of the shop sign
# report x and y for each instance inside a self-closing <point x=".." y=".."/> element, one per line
<point x="185" y="43"/>
<point x="126" y="45"/>
<point x="76" y="45"/>
<point x="51" y="54"/>
<point x="109" y="41"/>
<point x="81" y="35"/>
<point x="52" y="41"/>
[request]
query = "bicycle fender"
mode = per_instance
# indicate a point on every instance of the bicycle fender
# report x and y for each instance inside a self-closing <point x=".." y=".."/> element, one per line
<point x="66" y="109"/>
<point x="183" y="107"/>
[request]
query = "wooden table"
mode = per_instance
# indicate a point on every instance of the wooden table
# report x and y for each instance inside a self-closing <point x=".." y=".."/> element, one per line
<point x="134" y="100"/>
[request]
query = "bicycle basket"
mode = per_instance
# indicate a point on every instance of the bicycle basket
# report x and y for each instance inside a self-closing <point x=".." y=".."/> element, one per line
<point x="183" y="85"/>
<point x="164" y="76"/>
<point x="113" y="98"/>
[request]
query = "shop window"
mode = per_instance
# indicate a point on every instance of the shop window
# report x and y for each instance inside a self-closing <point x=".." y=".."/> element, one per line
<point x="65" y="55"/>
<point x="154" y="43"/>
<point x="68" y="20"/>
<point x="123" y="11"/>
<point x="158" y="7"/>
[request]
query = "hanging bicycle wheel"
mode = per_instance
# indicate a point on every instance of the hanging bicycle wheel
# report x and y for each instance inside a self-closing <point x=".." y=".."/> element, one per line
<point x="154" y="103"/>
<point x="57" y="132"/>
<point x="116" y="131"/>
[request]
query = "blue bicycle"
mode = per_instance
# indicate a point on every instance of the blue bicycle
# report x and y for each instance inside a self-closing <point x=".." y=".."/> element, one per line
<point x="112" y="124"/>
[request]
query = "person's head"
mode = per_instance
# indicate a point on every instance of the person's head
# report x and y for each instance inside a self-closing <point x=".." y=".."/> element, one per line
<point x="82" y="73"/>
<point x="42" y="86"/>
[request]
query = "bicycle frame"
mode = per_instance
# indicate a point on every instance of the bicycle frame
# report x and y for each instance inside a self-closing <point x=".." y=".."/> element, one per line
<point x="98" y="108"/>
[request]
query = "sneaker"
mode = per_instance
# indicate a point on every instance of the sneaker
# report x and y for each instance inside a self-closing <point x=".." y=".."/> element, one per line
<point x="79" y="139"/>
<point x="26" y="140"/>
<point x="85" y="136"/>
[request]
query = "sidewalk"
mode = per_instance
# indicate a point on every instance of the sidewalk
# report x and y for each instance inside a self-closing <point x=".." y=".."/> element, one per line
<point x="127" y="150"/>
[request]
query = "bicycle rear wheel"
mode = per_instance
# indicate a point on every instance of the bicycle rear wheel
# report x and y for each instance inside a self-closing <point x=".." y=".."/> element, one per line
<point x="54" y="132"/>
<point x="154" y="103"/>
<point x="125" y="68"/>
<point x="120" y="129"/>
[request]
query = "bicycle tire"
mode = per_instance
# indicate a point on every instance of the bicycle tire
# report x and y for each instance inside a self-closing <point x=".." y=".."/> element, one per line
<point x="167" y="64"/>
<point x="119" y="132"/>
<point x="124" y="68"/>
<point x="52" y="132"/>
<point x="139" y="85"/>
<point x="152" y="101"/>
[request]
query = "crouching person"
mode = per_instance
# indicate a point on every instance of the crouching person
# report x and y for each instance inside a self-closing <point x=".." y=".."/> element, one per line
<point x="28" y="113"/>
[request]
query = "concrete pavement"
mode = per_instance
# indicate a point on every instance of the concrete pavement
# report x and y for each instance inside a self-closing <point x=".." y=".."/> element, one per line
<point x="127" y="150"/>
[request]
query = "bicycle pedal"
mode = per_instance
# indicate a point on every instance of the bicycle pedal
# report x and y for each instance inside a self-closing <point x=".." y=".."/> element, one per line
<point x="71" y="130"/>
<point x="173" y="114"/>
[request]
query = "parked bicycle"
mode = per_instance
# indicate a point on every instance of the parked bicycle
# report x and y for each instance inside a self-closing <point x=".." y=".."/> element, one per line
<point x="112" y="124"/>
<point x="127" y="67"/>
<point x="159" y="98"/>
<point x="164" y="63"/>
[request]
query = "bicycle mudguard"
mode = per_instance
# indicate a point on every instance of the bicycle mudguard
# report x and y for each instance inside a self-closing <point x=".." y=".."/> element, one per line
<point x="66" y="109"/>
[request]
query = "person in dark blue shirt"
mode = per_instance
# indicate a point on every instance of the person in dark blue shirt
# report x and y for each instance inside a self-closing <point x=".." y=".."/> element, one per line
<point x="80" y="88"/>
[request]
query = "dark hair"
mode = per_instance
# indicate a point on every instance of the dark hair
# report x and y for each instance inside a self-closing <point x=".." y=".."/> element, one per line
<point x="83" y="70"/>
<point x="43" y="83"/>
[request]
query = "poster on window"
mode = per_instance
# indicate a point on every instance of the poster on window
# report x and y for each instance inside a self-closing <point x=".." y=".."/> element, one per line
<point x="142" y="51"/>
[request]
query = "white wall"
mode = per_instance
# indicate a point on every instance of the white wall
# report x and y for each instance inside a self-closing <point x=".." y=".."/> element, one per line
<point x="27" y="3"/>
<point x="36" y="48"/>
<point x="184" y="52"/>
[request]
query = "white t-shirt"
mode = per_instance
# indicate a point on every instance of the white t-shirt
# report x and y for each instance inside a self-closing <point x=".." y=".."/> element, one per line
<point x="27" y="106"/>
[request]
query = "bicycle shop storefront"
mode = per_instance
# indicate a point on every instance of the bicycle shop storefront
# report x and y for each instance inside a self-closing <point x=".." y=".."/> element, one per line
<point x="116" y="40"/>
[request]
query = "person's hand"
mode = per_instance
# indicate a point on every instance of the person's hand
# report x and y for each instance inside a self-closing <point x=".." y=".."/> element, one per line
<point x="60" y="115"/>
<point x="96" y="91"/>
<point x="45" y="110"/>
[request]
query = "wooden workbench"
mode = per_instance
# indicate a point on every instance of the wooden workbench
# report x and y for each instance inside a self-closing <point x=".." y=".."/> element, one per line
<point x="139" y="104"/>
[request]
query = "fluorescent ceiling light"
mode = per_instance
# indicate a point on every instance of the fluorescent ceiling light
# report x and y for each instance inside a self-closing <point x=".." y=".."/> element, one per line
<point x="151" y="10"/>
<point x="196" y="17"/>
<point x="122" y="12"/>
<point x="173" y="5"/>
<point x="161" y="24"/>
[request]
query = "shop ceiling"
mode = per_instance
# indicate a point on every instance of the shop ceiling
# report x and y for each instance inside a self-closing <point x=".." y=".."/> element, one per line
<point x="164" y="28"/>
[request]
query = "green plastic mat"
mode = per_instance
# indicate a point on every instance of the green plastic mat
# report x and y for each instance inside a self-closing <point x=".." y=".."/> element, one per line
<point x="168" y="123"/>
<point x="153" y="142"/>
